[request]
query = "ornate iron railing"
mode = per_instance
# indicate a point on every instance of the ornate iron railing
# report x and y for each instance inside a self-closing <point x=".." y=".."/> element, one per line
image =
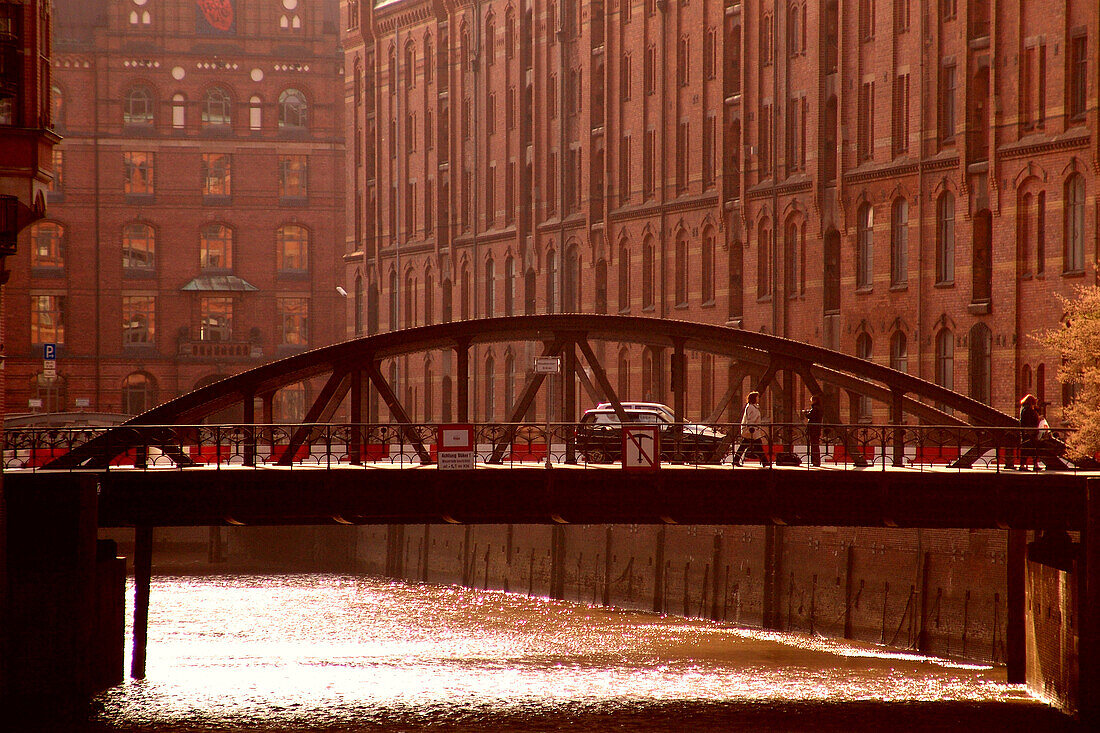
<point x="155" y="447"/>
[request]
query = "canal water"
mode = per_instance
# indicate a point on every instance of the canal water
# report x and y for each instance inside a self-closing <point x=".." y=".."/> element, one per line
<point x="345" y="653"/>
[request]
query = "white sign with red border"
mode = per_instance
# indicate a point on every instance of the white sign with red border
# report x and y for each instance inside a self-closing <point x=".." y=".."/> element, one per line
<point x="641" y="447"/>
<point x="455" y="448"/>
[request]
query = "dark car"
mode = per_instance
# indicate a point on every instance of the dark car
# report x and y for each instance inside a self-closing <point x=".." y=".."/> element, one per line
<point x="600" y="436"/>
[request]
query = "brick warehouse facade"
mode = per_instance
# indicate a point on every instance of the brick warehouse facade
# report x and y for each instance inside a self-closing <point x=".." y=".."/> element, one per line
<point x="911" y="182"/>
<point x="195" y="223"/>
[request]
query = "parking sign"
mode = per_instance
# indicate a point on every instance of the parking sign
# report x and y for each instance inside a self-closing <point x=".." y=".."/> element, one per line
<point x="49" y="352"/>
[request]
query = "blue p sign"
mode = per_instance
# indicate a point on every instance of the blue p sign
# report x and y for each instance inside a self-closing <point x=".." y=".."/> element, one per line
<point x="49" y="352"/>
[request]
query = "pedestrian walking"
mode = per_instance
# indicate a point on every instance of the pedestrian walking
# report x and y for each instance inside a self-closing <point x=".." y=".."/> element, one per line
<point x="814" y="417"/>
<point x="752" y="442"/>
<point x="1029" y="433"/>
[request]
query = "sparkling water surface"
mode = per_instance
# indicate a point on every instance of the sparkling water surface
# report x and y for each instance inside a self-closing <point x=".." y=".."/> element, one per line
<point x="344" y="653"/>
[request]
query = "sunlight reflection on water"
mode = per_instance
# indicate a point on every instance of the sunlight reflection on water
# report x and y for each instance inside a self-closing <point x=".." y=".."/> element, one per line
<point x="318" y="652"/>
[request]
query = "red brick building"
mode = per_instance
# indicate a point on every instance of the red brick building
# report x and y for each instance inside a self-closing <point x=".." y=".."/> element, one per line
<point x="909" y="181"/>
<point x="196" y="216"/>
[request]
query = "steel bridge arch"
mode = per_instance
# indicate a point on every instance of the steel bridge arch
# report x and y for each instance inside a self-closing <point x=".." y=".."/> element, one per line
<point x="351" y="365"/>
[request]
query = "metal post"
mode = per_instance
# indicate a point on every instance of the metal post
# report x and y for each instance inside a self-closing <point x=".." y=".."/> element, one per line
<point x="569" y="394"/>
<point x="250" y="422"/>
<point x="355" y="437"/>
<point x="896" y="396"/>
<point x="143" y="570"/>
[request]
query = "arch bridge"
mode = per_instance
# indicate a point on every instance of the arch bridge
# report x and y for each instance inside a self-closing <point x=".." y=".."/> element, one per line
<point x="351" y="375"/>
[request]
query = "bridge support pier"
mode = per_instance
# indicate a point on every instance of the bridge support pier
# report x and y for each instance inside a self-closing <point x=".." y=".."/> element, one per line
<point x="143" y="572"/>
<point x="1089" y="646"/>
<point x="1016" y="625"/>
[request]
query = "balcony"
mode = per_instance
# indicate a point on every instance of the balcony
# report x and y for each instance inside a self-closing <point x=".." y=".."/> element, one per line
<point x="190" y="349"/>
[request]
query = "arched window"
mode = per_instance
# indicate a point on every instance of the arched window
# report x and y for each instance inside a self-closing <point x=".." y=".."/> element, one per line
<point x="706" y="266"/>
<point x="179" y="111"/>
<point x="57" y="107"/>
<point x="217" y="108"/>
<point x="373" y="305"/>
<point x="572" y="290"/>
<point x="490" y="288"/>
<point x="529" y="292"/>
<point x="793" y="33"/>
<point x="490" y="388"/>
<point x="865" y="244"/>
<point x="864" y="350"/>
<point x="490" y="40"/>
<point x="1074" y="248"/>
<point x="624" y="277"/>
<point x="509" y="385"/>
<point x="292" y="110"/>
<point x="601" y="286"/>
<point x="409" y="315"/>
<point x="648" y="296"/>
<point x="293" y="248"/>
<point x="551" y="282"/>
<point x="763" y="260"/>
<point x="899" y="242"/>
<point x="790" y="259"/>
<point x="216" y="247"/>
<point x="651" y="375"/>
<point x="981" y="363"/>
<point x="395" y="305"/>
<point x="448" y="300"/>
<point x="137" y="108"/>
<point x="429" y="390"/>
<point x="509" y="286"/>
<point x="429" y="296"/>
<point x="358" y="304"/>
<point x="429" y="61"/>
<point x="899" y="352"/>
<point x="139" y="248"/>
<point x="623" y="375"/>
<point x="464" y="291"/>
<point x="139" y="393"/>
<point x="47" y="238"/>
<point x="945" y="238"/>
<point x="255" y="113"/>
<point x="945" y="358"/>
<point x="981" y="264"/>
<point x="681" y="270"/>
<point x="410" y="64"/>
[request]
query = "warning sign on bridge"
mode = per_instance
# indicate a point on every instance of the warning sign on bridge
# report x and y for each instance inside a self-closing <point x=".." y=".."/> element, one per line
<point x="641" y="447"/>
<point x="456" y="448"/>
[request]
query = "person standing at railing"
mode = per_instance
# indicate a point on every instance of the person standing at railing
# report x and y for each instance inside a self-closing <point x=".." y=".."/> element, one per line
<point x="751" y="434"/>
<point x="814" y="417"/>
<point x="1029" y="433"/>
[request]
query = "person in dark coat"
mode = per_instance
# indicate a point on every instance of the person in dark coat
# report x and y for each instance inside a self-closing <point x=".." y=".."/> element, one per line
<point x="1029" y="433"/>
<point x="814" y="417"/>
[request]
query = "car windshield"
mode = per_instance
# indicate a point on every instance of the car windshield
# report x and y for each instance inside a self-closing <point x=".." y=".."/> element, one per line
<point x="610" y="418"/>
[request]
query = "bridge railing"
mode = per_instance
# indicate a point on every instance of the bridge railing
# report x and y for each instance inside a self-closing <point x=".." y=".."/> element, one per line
<point x="156" y="447"/>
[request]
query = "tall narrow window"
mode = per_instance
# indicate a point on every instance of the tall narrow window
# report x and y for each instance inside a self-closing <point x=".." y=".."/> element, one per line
<point x="137" y="173"/>
<point x="865" y="134"/>
<point x="552" y="282"/>
<point x="490" y="289"/>
<point x="292" y="243"/>
<point x="215" y="319"/>
<point x="1023" y="233"/>
<point x="981" y="363"/>
<point x="864" y="350"/>
<point x="138" y="106"/>
<point x="139" y="247"/>
<point x="765" y="137"/>
<point x="899" y="242"/>
<point x="763" y="261"/>
<point x="900" y="114"/>
<point x="293" y="323"/>
<point x="706" y="266"/>
<point x="624" y="277"/>
<point x="47" y="319"/>
<point x="948" y="88"/>
<point x="293" y="176"/>
<point x="648" y="294"/>
<point x="509" y="286"/>
<point x="292" y="110"/>
<point x="216" y="247"/>
<point x="179" y="112"/>
<point x="1040" y="232"/>
<point x="899" y="352"/>
<point x="865" y="243"/>
<point x="1077" y="89"/>
<point x="1074" y="248"/>
<point x="866" y="19"/>
<point x="217" y="174"/>
<point x="217" y="108"/>
<point x="681" y="270"/>
<point x="47" y="238"/>
<point x="945" y="359"/>
<point x="945" y="238"/>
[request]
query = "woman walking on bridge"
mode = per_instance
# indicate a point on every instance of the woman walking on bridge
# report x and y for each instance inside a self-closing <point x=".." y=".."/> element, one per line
<point x="1029" y="433"/>
<point x="751" y="433"/>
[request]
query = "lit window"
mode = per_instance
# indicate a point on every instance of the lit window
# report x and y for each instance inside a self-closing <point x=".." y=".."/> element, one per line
<point x="47" y="319"/>
<point x="293" y="176"/>
<point x="217" y="108"/>
<point x="292" y="110"/>
<point x="139" y="247"/>
<point x="293" y="321"/>
<point x="217" y="171"/>
<point x="46" y="245"/>
<point x="215" y="319"/>
<point x="216" y="247"/>
<point x="137" y="173"/>
<point x="138" y="320"/>
<point x="293" y="244"/>
<point x="138" y="107"/>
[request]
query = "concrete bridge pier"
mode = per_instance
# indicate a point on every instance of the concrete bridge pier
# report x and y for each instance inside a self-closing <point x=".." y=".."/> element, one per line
<point x="63" y="635"/>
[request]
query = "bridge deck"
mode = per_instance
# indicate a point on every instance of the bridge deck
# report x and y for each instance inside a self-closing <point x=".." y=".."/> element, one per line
<point x="932" y="497"/>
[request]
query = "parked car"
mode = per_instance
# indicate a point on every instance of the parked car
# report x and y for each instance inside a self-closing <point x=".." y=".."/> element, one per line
<point x="600" y="437"/>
